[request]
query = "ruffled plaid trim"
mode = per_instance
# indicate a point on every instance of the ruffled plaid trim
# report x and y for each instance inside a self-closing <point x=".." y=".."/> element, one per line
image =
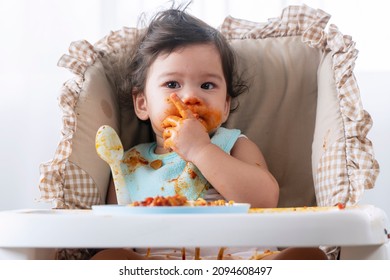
<point x="295" y="20"/>
<point x="81" y="56"/>
<point x="53" y="184"/>
<point x="361" y="167"/>
<point x="348" y="166"/>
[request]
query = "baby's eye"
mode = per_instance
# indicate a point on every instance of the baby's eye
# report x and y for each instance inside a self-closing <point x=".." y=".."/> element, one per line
<point x="172" y="84"/>
<point x="207" y="85"/>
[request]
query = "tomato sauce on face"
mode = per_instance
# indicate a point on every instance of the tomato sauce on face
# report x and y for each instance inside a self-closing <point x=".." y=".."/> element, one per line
<point x="209" y="117"/>
<point x="212" y="119"/>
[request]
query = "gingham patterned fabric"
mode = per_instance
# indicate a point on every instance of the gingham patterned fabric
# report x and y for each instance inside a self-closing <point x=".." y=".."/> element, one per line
<point x="62" y="182"/>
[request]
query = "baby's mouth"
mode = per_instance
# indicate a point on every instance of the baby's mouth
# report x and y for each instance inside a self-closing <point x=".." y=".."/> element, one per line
<point x="200" y="118"/>
<point x="210" y="118"/>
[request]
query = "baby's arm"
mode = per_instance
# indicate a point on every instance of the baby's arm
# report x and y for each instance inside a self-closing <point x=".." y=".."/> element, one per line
<point x="242" y="176"/>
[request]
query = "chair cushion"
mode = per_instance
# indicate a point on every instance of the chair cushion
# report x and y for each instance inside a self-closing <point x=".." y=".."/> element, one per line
<point x="278" y="112"/>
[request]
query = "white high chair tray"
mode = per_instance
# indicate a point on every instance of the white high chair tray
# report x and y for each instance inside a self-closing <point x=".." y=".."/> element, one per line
<point x="356" y="226"/>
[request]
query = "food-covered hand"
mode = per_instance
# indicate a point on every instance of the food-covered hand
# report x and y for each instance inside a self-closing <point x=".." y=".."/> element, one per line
<point x="186" y="134"/>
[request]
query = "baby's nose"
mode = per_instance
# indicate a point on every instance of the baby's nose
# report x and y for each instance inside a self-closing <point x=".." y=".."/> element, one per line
<point x="192" y="101"/>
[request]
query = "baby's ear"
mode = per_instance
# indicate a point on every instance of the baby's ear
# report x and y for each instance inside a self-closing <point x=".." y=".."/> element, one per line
<point x="140" y="105"/>
<point x="227" y="109"/>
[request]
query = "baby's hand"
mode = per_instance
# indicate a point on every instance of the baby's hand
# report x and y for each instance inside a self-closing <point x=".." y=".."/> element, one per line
<point x="186" y="134"/>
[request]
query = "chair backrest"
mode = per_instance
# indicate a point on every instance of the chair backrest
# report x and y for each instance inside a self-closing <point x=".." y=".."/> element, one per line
<point x="303" y="110"/>
<point x="279" y="111"/>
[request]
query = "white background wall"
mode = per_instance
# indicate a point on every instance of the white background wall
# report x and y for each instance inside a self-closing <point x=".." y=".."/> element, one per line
<point x="36" y="33"/>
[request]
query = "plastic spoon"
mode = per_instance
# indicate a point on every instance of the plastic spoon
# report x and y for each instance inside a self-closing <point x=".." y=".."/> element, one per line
<point x="109" y="148"/>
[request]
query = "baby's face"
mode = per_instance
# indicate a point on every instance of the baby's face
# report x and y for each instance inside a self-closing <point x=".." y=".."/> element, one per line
<point x="195" y="74"/>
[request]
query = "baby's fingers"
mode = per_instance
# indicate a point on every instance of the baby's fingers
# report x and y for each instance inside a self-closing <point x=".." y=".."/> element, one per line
<point x="168" y="136"/>
<point x="171" y="121"/>
<point x="167" y="133"/>
<point x="184" y="111"/>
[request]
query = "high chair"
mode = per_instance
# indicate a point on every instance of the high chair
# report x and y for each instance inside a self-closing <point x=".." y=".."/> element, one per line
<point x="303" y="110"/>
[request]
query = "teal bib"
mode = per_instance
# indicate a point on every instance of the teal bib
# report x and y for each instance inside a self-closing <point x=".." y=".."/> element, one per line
<point x="148" y="174"/>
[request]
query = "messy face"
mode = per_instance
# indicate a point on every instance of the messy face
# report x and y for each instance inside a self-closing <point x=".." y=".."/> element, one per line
<point x="194" y="73"/>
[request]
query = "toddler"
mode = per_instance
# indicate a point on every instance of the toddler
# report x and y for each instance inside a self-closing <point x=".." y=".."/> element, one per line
<point x="183" y="82"/>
